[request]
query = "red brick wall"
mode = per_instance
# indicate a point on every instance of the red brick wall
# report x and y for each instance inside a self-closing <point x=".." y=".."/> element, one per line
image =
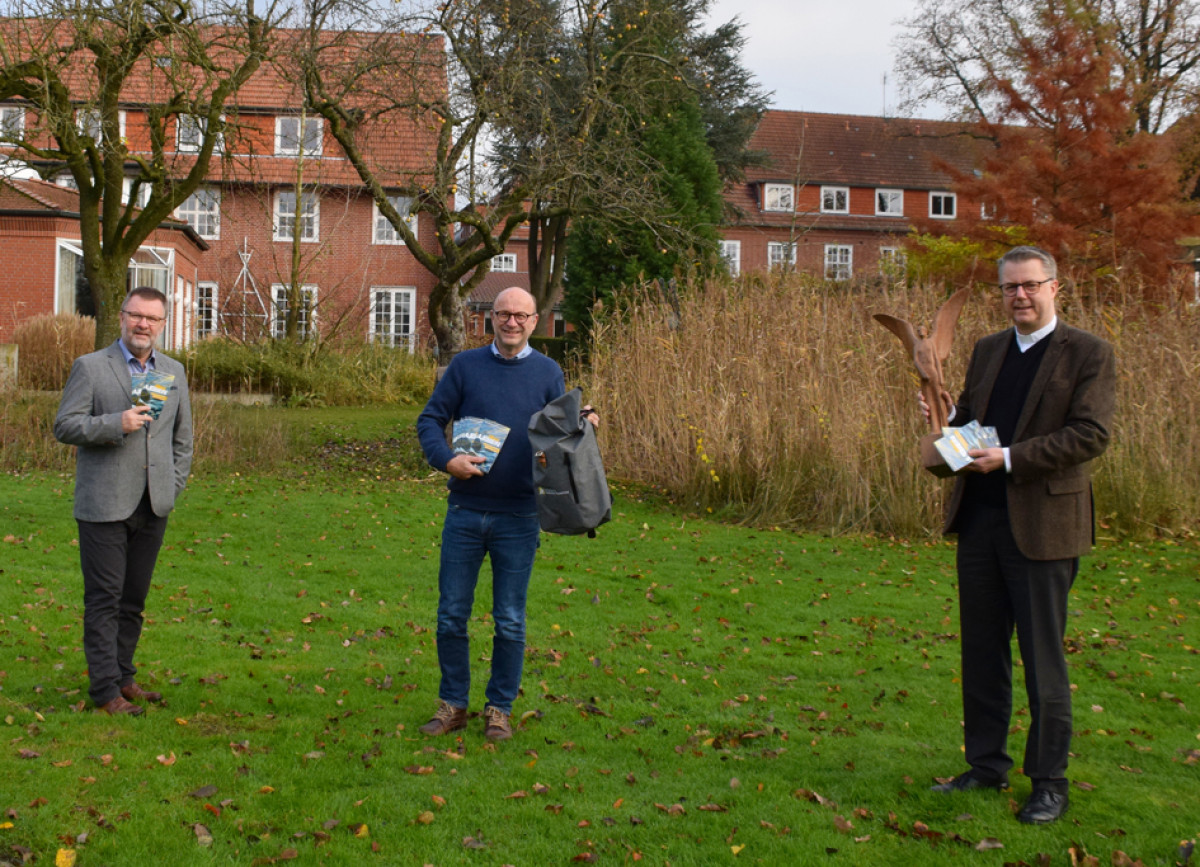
<point x="27" y="268"/>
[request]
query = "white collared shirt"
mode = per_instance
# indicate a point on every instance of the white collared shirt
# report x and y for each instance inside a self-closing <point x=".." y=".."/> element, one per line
<point x="1025" y="342"/>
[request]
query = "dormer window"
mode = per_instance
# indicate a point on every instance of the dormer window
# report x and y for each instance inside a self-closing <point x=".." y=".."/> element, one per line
<point x="12" y="121"/>
<point x="943" y="206"/>
<point x="835" y="200"/>
<point x="190" y="131"/>
<point x="298" y="136"/>
<point x="779" y="197"/>
<point x="889" y="203"/>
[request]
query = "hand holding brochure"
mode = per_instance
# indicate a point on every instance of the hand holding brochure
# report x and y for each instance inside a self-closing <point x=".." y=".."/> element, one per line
<point x="151" y="389"/>
<point x="479" y="437"/>
<point x="957" y="441"/>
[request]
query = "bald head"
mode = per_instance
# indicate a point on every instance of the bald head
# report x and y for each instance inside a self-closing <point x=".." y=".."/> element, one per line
<point x="511" y="305"/>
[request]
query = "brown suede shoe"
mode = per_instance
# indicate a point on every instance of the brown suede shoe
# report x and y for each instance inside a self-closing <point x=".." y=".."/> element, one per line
<point x="447" y="718"/>
<point x="497" y="726"/>
<point x="120" y="706"/>
<point x="133" y="692"/>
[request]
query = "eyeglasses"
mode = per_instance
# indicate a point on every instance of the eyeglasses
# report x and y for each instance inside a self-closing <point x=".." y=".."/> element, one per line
<point x="505" y="316"/>
<point x="141" y="317"/>
<point x="1030" y="286"/>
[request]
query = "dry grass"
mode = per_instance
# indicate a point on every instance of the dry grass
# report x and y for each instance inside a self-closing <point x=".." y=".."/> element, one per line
<point x="779" y="400"/>
<point x="48" y="345"/>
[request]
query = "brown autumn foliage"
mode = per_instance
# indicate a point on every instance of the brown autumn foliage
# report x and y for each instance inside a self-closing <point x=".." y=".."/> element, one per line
<point x="1067" y="168"/>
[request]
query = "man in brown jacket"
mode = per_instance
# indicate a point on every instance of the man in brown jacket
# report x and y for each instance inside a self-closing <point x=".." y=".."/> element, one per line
<point x="1023" y="514"/>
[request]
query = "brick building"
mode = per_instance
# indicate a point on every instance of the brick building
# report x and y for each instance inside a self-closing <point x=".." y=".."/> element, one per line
<point x="840" y="192"/>
<point x="279" y="177"/>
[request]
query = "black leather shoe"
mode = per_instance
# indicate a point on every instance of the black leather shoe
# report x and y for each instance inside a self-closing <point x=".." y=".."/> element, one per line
<point x="967" y="781"/>
<point x="1043" y="807"/>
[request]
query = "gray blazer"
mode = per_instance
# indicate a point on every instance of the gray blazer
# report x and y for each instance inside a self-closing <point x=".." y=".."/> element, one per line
<point x="1065" y="424"/>
<point x="112" y="468"/>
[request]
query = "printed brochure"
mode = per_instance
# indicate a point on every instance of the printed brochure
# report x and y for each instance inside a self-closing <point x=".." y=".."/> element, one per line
<point x="479" y="437"/>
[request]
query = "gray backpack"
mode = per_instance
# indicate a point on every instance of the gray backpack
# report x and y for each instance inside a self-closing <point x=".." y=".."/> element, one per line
<point x="568" y="475"/>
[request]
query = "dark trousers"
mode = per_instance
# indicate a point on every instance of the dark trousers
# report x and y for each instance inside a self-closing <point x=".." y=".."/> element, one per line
<point x="998" y="588"/>
<point x="117" y="558"/>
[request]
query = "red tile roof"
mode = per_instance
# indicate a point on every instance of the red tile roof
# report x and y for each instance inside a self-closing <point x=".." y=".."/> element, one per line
<point x="21" y="194"/>
<point x="810" y="149"/>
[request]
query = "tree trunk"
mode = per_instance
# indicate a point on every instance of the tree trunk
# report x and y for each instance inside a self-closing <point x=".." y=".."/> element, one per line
<point x="107" y="281"/>
<point x="446" y="320"/>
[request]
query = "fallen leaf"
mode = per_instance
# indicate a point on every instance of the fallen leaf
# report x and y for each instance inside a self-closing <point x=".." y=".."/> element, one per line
<point x="517" y="794"/>
<point x="65" y="858"/>
<point x="843" y="824"/>
<point x="214" y="810"/>
<point x="65" y="763"/>
<point x="988" y="843"/>
<point x="265" y="790"/>
<point x="420" y="770"/>
<point x="425" y="817"/>
<point x="361" y="830"/>
<point x="203" y="835"/>
<point x="28" y="754"/>
<point x="713" y="808"/>
<point x="438" y="801"/>
<point x="203" y="792"/>
<point x="473" y="843"/>
<point x="166" y="761"/>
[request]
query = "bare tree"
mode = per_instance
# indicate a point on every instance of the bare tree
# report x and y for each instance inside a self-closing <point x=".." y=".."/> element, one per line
<point x="953" y="51"/>
<point x="76" y="64"/>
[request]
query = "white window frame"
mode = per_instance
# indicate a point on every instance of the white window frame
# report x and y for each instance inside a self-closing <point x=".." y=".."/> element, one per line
<point x="63" y="304"/>
<point x="291" y="143"/>
<point x="205" y="221"/>
<point x="308" y="323"/>
<point x="87" y="122"/>
<point x="779" y="197"/>
<point x="892" y="260"/>
<point x="189" y="134"/>
<point x="839" y="261"/>
<point x="829" y="200"/>
<point x="207" y="308"/>
<point x="778" y="254"/>
<point x="12" y="121"/>
<point x="937" y="205"/>
<point x="309" y="217"/>
<point x="144" y="192"/>
<point x="987" y="211"/>
<point x="382" y="325"/>
<point x="504" y="263"/>
<point x="889" y="202"/>
<point x="383" y="232"/>
<point x="731" y="254"/>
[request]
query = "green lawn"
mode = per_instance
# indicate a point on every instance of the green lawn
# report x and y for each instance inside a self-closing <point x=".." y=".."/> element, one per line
<point x="694" y="694"/>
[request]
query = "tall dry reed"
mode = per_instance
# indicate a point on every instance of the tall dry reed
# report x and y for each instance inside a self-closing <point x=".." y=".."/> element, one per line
<point x="779" y="401"/>
<point x="48" y="346"/>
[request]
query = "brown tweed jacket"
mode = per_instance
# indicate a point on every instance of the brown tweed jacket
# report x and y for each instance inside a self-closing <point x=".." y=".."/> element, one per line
<point x="1066" y="423"/>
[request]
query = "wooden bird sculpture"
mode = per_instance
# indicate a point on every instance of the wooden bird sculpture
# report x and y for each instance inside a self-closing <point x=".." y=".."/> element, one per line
<point x="929" y="350"/>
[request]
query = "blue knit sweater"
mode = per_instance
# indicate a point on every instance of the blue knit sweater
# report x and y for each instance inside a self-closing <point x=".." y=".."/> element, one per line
<point x="479" y="383"/>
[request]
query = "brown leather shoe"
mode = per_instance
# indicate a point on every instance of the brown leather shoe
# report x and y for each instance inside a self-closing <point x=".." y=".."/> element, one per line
<point x="133" y="692"/>
<point x="447" y="718"/>
<point x="120" y="706"/>
<point x="497" y="725"/>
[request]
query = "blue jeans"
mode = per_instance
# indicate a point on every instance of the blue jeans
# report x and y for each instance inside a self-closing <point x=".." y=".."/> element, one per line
<point x="512" y="542"/>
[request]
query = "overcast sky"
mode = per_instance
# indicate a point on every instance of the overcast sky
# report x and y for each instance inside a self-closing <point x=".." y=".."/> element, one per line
<point x="822" y="55"/>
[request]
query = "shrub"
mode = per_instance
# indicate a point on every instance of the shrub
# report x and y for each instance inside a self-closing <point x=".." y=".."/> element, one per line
<point x="309" y="373"/>
<point x="48" y="345"/>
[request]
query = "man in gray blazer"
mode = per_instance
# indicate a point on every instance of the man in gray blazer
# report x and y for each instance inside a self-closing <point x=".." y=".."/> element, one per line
<point x="131" y="463"/>
<point x="1023" y="514"/>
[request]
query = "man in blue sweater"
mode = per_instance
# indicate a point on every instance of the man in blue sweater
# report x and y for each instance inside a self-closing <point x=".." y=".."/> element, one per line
<point x="493" y="513"/>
